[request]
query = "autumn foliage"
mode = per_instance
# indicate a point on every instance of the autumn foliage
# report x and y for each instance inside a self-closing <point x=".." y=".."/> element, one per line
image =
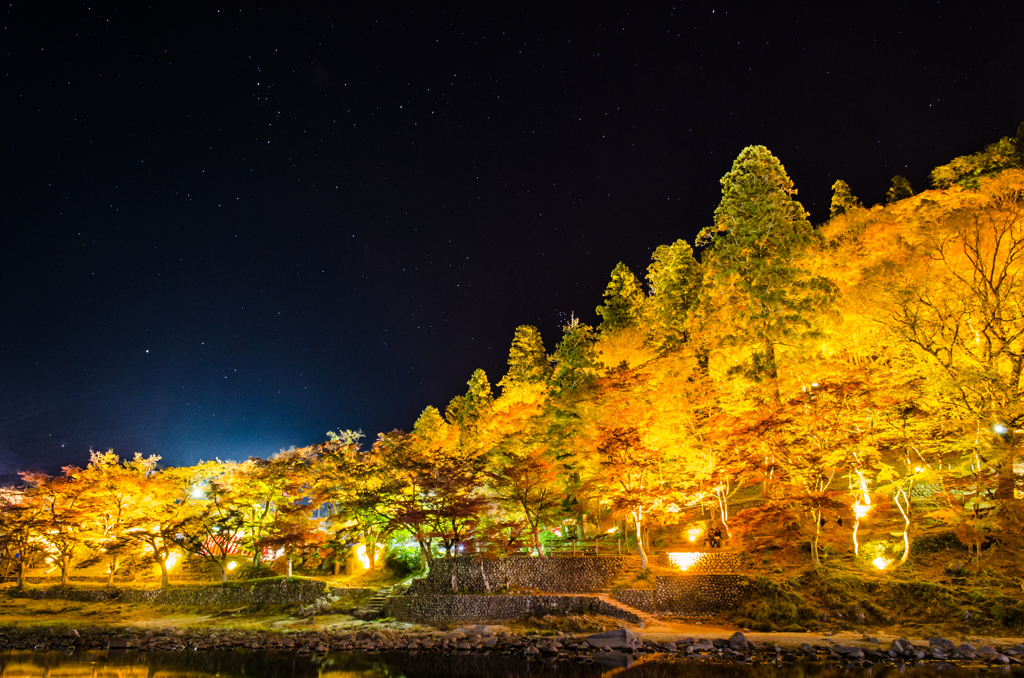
<point x="782" y="382"/>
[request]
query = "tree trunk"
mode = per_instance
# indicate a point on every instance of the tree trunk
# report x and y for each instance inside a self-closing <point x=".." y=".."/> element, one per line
<point x="536" y="540"/>
<point x="64" y="563"/>
<point x="424" y="562"/>
<point x="455" y="578"/>
<point x="164" y="580"/>
<point x="21" y="573"/>
<point x="772" y="368"/>
<point x="289" y="567"/>
<point x="816" y="515"/>
<point x="110" y="572"/>
<point x="487" y="584"/>
<point x="223" y="572"/>
<point x="639" y="543"/>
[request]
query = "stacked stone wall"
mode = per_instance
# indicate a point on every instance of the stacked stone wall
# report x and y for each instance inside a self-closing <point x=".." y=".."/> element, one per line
<point x="641" y="599"/>
<point x="552" y="574"/>
<point x="705" y="562"/>
<point x="457" y="608"/>
<point x="699" y="595"/>
<point x="273" y="592"/>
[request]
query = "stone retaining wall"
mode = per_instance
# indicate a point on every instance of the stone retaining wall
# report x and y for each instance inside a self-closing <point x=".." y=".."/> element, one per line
<point x="266" y="592"/>
<point x="484" y="608"/>
<point x="703" y="562"/>
<point x="641" y="599"/>
<point x="699" y="595"/>
<point x="551" y="574"/>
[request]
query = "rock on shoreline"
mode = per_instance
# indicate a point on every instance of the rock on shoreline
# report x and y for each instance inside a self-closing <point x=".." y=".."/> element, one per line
<point x="616" y="646"/>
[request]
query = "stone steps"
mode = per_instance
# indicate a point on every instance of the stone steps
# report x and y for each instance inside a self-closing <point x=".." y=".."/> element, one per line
<point x="373" y="607"/>
<point x="646" y="620"/>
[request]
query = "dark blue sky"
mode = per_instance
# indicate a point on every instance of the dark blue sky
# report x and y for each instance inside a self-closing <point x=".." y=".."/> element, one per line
<point x="228" y="229"/>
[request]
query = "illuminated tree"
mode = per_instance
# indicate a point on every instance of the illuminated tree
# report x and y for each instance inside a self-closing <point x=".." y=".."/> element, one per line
<point x="762" y="293"/>
<point x="843" y="199"/>
<point x="575" y="359"/>
<point x="65" y="512"/>
<point x="116" y="493"/>
<point x="675" y="280"/>
<point x="900" y="190"/>
<point x="263" y="487"/>
<point x="355" y="484"/>
<point x="171" y="495"/>
<point x="962" y="307"/>
<point x="522" y="472"/>
<point x="214" y="528"/>
<point x="527" y="360"/>
<point x="623" y="300"/>
<point x="22" y="519"/>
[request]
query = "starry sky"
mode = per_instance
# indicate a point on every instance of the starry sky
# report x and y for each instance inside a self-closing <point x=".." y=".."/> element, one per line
<point x="229" y="228"/>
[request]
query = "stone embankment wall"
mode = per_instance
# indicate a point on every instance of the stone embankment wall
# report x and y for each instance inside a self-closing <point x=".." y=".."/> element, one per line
<point x="687" y="596"/>
<point x="703" y="562"/>
<point x="699" y="594"/>
<point x="440" y="607"/>
<point x="258" y="592"/>
<point x="553" y="574"/>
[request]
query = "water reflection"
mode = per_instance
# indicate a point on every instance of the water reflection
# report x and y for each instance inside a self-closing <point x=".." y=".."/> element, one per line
<point x="55" y="664"/>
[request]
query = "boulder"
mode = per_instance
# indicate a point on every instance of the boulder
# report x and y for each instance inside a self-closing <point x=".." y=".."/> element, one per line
<point x="738" y="641"/>
<point x="477" y="630"/>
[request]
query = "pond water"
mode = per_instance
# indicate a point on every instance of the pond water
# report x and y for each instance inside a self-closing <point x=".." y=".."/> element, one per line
<point x="131" y="664"/>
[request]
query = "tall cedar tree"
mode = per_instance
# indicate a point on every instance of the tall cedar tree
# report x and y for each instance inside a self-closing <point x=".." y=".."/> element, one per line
<point x="675" y="279"/>
<point x="623" y="300"/>
<point x="752" y="255"/>
<point x="843" y="199"/>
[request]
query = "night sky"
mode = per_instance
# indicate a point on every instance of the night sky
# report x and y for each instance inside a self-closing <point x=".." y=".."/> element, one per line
<point x="230" y="229"/>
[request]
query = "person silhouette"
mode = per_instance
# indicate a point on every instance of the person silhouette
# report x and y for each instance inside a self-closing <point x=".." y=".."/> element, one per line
<point x="717" y="541"/>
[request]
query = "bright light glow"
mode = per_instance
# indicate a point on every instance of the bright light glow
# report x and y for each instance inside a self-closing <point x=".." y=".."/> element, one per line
<point x="685" y="560"/>
<point x="198" y="492"/>
<point x="172" y="560"/>
<point x="861" y="510"/>
<point x="232" y="565"/>
<point x="999" y="429"/>
<point x="693" y="533"/>
<point x="881" y="563"/>
<point x="611" y="530"/>
<point x="918" y="469"/>
<point x="364" y="558"/>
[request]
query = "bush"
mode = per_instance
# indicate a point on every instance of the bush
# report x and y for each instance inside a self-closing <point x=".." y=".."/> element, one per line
<point x="935" y="542"/>
<point x="249" y="571"/>
<point x="402" y="560"/>
<point x="772" y="605"/>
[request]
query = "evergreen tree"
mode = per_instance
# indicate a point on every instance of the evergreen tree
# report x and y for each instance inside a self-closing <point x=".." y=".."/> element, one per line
<point x="843" y="200"/>
<point x="575" y="359"/>
<point x="900" y="190"/>
<point x="751" y="256"/>
<point x="527" y="360"/>
<point x="1018" y="146"/>
<point x="675" y="279"/>
<point x="623" y="300"/>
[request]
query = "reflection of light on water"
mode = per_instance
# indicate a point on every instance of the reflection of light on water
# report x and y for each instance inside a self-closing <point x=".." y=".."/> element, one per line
<point x="684" y="560"/>
<point x="881" y="563"/>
